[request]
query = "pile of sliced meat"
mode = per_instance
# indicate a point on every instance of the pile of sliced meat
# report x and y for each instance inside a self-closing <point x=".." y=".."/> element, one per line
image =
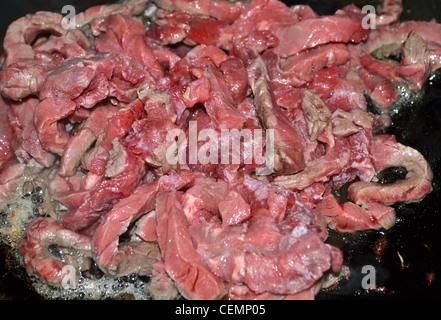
<point x="96" y="104"/>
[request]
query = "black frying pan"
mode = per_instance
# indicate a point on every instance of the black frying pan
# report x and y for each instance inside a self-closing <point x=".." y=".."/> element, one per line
<point x="407" y="258"/>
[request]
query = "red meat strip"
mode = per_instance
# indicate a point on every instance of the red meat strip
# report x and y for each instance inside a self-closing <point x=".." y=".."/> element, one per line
<point x="387" y="152"/>
<point x="75" y="149"/>
<point x="349" y="217"/>
<point x="313" y="32"/>
<point x="124" y="178"/>
<point x="305" y="64"/>
<point x="21" y="118"/>
<point x="258" y="256"/>
<point x="181" y="260"/>
<point x="6" y="135"/>
<point x="121" y="259"/>
<point x="372" y="210"/>
<point x="415" y="61"/>
<point x="114" y="258"/>
<point x="149" y="137"/>
<point x="288" y="149"/>
<point x="263" y="15"/>
<point x="205" y="195"/>
<point x="145" y="227"/>
<point x="339" y="91"/>
<point x="319" y="170"/>
<point x="394" y="36"/>
<point x="126" y="8"/>
<point x="117" y="128"/>
<point x="221" y="10"/>
<point x="62" y="86"/>
<point x="414" y="69"/>
<point x="220" y="105"/>
<point x="382" y="91"/>
<point x="44" y="235"/>
<point x="22" y="32"/>
<point x="22" y="79"/>
<point x="125" y="35"/>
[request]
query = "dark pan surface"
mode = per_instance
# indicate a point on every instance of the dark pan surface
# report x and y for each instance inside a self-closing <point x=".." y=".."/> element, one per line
<point x="407" y="258"/>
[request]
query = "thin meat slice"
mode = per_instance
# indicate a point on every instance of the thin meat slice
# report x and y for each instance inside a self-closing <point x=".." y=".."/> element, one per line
<point x="266" y="255"/>
<point x="319" y="170"/>
<point x="53" y="137"/>
<point x="72" y="192"/>
<point x="387" y="152"/>
<point x="370" y="208"/>
<point x="345" y="26"/>
<point x="220" y="105"/>
<point x="234" y="209"/>
<point x="23" y="78"/>
<point x="205" y="195"/>
<point x="318" y="118"/>
<point x="21" y="118"/>
<point x="221" y="10"/>
<point x="62" y="86"/>
<point x="145" y="227"/>
<point x="236" y="78"/>
<point x="149" y="137"/>
<point x="415" y="61"/>
<point x="47" y="248"/>
<point x="263" y="15"/>
<point x="338" y="89"/>
<point x="306" y="63"/>
<point x="382" y="91"/>
<point x="120" y="259"/>
<point x="207" y="31"/>
<point x="305" y="253"/>
<point x="288" y="148"/>
<point x="117" y="127"/>
<point x="349" y="217"/>
<point x="397" y="33"/>
<point x="181" y="260"/>
<point x="22" y="32"/>
<point x="114" y="257"/>
<point x="126" y="176"/>
<point x="414" y="68"/>
<point x="126" y="7"/>
<point x="125" y="35"/>
<point x="389" y="39"/>
<point x="75" y="149"/>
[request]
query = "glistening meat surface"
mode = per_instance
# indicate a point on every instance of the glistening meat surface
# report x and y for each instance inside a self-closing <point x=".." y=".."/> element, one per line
<point x="202" y="143"/>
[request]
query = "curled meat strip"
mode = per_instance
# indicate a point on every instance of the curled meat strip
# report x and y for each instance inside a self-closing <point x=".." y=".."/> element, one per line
<point x="370" y="208"/>
<point x="22" y="33"/>
<point x="30" y="53"/>
<point x="387" y="152"/>
<point x="48" y="247"/>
